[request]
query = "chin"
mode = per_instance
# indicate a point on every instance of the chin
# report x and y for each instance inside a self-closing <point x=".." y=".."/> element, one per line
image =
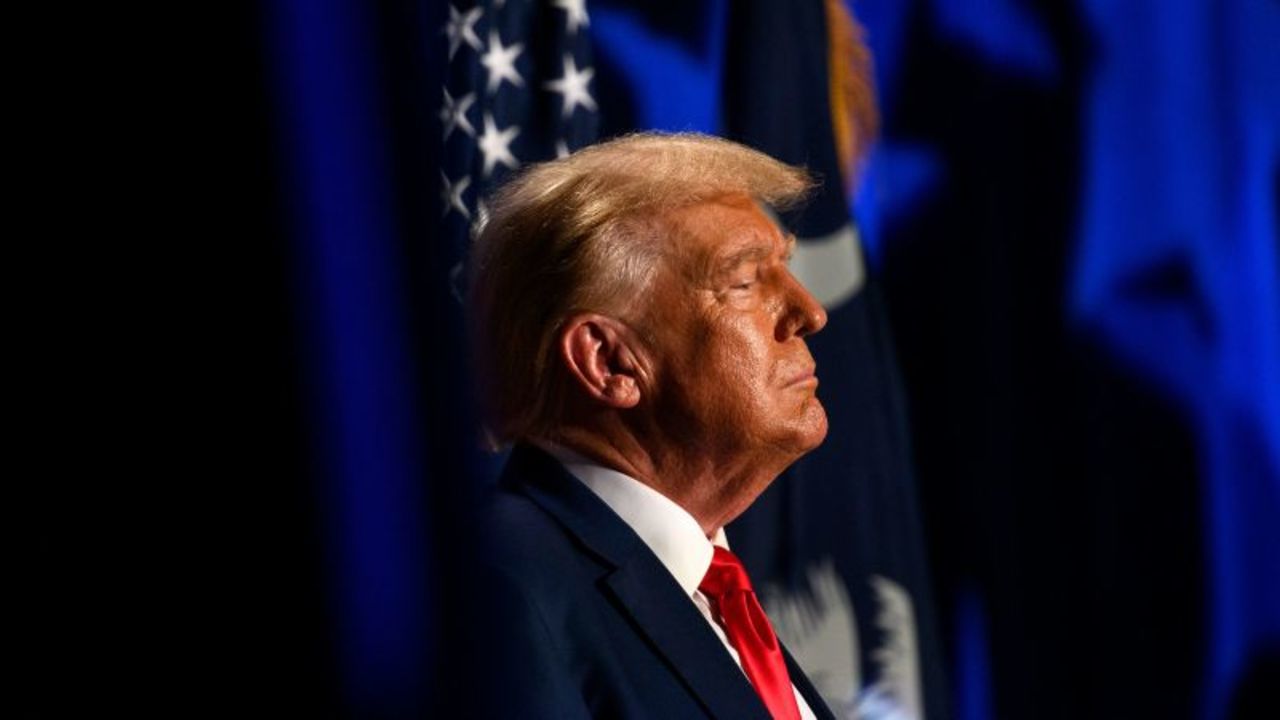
<point x="819" y="434"/>
<point x="813" y="428"/>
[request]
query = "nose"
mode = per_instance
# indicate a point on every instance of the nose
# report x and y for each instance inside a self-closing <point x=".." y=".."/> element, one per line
<point x="805" y="315"/>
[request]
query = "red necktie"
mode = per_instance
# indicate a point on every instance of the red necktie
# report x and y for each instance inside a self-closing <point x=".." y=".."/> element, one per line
<point x="727" y="586"/>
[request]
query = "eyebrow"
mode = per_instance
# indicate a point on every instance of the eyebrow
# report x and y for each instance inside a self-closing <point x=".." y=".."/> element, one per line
<point x="755" y="252"/>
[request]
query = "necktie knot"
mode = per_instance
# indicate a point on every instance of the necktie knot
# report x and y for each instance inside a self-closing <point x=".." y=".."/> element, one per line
<point x="725" y="575"/>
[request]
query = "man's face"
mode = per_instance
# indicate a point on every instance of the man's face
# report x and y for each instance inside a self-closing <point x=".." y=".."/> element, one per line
<point x="732" y="372"/>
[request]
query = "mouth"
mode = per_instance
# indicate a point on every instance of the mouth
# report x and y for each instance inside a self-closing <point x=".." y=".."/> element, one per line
<point x="803" y="378"/>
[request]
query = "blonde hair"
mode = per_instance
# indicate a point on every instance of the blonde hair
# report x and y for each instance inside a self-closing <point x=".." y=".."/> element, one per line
<point x="583" y="233"/>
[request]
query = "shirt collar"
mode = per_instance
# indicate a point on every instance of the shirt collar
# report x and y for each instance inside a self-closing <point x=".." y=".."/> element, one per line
<point x="668" y="529"/>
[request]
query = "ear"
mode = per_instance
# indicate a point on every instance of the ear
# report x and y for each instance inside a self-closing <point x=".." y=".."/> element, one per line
<point x="598" y="352"/>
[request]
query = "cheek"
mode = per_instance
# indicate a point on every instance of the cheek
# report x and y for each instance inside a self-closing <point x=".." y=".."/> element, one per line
<point x="742" y="358"/>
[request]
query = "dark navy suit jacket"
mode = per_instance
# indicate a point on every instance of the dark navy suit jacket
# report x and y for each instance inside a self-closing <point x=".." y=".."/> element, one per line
<point x="587" y="622"/>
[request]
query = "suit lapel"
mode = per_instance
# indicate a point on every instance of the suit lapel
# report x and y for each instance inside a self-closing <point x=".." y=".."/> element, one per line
<point x="640" y="586"/>
<point x="681" y="635"/>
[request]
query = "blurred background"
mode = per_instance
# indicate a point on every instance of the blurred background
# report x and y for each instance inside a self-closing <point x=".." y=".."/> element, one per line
<point x="1046" y="237"/>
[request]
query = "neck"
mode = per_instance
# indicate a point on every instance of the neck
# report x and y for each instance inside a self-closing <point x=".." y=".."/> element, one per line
<point x="711" y="488"/>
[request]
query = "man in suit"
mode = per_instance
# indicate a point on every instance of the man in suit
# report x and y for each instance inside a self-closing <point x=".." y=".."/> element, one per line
<point x="641" y="343"/>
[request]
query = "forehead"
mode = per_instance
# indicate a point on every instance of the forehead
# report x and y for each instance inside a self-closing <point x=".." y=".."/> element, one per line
<point x="722" y="228"/>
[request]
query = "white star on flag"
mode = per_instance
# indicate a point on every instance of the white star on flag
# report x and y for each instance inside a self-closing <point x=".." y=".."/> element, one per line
<point x="573" y="86"/>
<point x="454" y="114"/>
<point x="501" y="62"/>
<point x="496" y="145"/>
<point x="575" y="13"/>
<point x="462" y="28"/>
<point x="451" y="194"/>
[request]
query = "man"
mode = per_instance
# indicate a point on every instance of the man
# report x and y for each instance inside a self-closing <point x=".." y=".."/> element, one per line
<point x="642" y="344"/>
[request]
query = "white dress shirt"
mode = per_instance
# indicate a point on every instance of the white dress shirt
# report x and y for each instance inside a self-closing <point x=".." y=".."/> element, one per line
<point x="669" y="531"/>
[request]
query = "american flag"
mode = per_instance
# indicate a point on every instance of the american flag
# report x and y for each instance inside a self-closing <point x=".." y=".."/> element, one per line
<point x="517" y="90"/>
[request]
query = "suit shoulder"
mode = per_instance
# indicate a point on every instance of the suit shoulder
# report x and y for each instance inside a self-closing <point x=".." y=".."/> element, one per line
<point x="526" y="544"/>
